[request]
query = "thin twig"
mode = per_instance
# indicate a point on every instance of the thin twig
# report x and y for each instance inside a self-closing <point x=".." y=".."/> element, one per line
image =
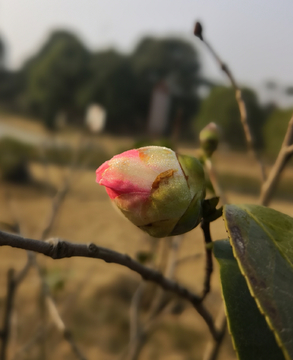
<point x="56" y="203"/>
<point x="148" y="327"/>
<point x="59" y="323"/>
<point x="23" y="273"/>
<point x="212" y="350"/>
<point x="239" y="99"/>
<point x="59" y="249"/>
<point x="214" y="180"/>
<point x="5" y="332"/>
<point x="134" y="311"/>
<point x="158" y="305"/>
<point x="285" y="153"/>
<point x="188" y="258"/>
<point x="205" y="225"/>
<point x="53" y="311"/>
<point x="32" y="260"/>
<point x="159" y="299"/>
<point x="41" y="332"/>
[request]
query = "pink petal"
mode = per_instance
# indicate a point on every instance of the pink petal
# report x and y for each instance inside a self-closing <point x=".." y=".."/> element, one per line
<point x="100" y="171"/>
<point x="112" y="193"/>
<point x="134" y="153"/>
<point x="120" y="185"/>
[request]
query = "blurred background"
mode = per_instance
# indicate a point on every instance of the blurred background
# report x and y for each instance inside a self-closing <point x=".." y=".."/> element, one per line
<point x="83" y="80"/>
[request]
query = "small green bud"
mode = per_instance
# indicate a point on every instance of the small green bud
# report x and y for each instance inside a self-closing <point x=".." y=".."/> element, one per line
<point x="209" y="138"/>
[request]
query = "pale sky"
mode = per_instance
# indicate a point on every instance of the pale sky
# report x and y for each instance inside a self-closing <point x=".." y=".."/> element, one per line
<point x="254" y="37"/>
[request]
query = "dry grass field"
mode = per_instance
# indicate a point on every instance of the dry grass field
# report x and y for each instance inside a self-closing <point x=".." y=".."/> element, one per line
<point x="94" y="297"/>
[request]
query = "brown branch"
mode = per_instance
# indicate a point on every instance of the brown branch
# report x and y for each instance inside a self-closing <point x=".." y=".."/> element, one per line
<point x="214" y="180"/>
<point x="159" y="299"/>
<point x="141" y="332"/>
<point x="205" y="225"/>
<point x="41" y="332"/>
<point x="289" y="150"/>
<point x="56" y="203"/>
<point x="32" y="261"/>
<point x="23" y="273"/>
<point x="134" y="313"/>
<point x="239" y="99"/>
<point x="5" y="332"/>
<point x="59" y="249"/>
<point x="285" y="153"/>
<point x="59" y="323"/>
<point x="54" y="313"/>
<point x="158" y="305"/>
<point x="188" y="258"/>
<point x="213" y="348"/>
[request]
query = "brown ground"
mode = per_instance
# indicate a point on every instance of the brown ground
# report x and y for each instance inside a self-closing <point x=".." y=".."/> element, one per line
<point x="92" y="296"/>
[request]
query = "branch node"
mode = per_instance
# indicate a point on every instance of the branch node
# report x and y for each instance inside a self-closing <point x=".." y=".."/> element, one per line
<point x="58" y="248"/>
<point x="93" y="249"/>
<point x="198" y="30"/>
<point x="127" y="257"/>
<point x="224" y="67"/>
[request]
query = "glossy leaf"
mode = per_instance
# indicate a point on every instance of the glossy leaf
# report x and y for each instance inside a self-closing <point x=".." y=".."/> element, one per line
<point x="252" y="338"/>
<point x="262" y="241"/>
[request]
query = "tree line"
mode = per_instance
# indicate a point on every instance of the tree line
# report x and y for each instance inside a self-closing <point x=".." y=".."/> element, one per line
<point x="65" y="77"/>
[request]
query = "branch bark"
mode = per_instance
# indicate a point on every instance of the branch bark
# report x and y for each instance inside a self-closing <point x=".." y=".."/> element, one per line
<point x="59" y="249"/>
<point x="209" y="259"/>
<point x="213" y="348"/>
<point x="286" y="151"/>
<point x="141" y="332"/>
<point x="5" y="332"/>
<point x="240" y="102"/>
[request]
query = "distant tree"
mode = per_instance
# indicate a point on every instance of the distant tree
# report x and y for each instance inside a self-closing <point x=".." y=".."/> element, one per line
<point x="221" y="107"/>
<point x="271" y="85"/>
<point x="123" y="84"/>
<point x="111" y="84"/>
<point x="289" y="91"/>
<point x="54" y="75"/>
<point x="2" y="53"/>
<point x="275" y="129"/>
<point x="173" y="60"/>
<point x="10" y="82"/>
<point x="64" y="77"/>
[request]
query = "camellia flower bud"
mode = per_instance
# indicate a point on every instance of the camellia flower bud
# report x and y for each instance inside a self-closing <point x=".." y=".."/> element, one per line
<point x="209" y="138"/>
<point x="158" y="190"/>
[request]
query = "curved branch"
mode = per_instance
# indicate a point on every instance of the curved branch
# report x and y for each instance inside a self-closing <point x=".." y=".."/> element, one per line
<point x="59" y="249"/>
<point x="285" y="154"/>
<point x="238" y="94"/>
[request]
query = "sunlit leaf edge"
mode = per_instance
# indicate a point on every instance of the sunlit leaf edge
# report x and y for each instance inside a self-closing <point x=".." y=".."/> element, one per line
<point x="279" y="342"/>
<point x="228" y="316"/>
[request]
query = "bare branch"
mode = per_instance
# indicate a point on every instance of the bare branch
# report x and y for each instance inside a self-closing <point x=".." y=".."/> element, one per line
<point x="156" y="305"/>
<point x="58" y="249"/>
<point x="56" y="203"/>
<point x="289" y="149"/>
<point x="239" y="99"/>
<point x="23" y="273"/>
<point x="209" y="260"/>
<point x="270" y="185"/>
<point x="134" y="313"/>
<point x="188" y="258"/>
<point x="214" y="180"/>
<point x="41" y="332"/>
<point x="140" y="333"/>
<point x="212" y="350"/>
<point x="55" y="316"/>
<point x="5" y="332"/>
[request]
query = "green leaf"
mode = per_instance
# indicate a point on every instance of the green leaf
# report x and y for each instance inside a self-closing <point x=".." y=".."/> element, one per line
<point x="262" y="241"/>
<point x="252" y="338"/>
